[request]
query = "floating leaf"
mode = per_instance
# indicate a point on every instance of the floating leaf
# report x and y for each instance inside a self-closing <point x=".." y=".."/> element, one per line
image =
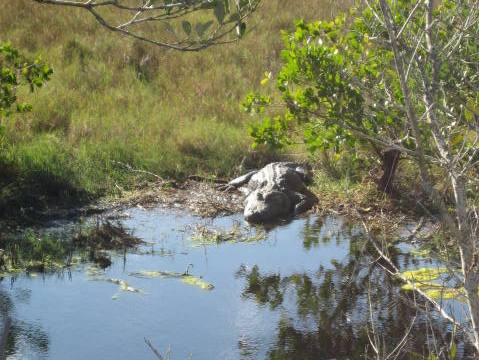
<point x="96" y="274"/>
<point x="204" y="235"/>
<point x="192" y="280"/>
<point x="185" y="278"/>
<point x="422" y="279"/>
<point x="201" y="28"/>
<point x="123" y="285"/>
<point x="146" y="274"/>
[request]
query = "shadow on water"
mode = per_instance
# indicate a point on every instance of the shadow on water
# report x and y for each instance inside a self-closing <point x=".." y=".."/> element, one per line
<point x="307" y="289"/>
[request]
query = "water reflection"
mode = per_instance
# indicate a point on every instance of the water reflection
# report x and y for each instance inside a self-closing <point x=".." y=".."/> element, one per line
<point x="352" y="310"/>
<point x="309" y="290"/>
<point x="19" y="339"/>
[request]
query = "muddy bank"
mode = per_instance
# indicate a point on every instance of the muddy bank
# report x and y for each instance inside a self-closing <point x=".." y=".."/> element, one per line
<point x="203" y="198"/>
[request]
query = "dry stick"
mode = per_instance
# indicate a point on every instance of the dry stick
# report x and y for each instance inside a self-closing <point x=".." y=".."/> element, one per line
<point x="416" y="229"/>
<point x="130" y="168"/>
<point x="396" y="273"/>
<point x="155" y="351"/>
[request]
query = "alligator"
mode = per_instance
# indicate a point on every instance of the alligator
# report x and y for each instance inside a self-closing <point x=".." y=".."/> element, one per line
<point x="277" y="191"/>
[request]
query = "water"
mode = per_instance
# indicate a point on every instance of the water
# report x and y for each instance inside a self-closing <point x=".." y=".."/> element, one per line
<point x="305" y="291"/>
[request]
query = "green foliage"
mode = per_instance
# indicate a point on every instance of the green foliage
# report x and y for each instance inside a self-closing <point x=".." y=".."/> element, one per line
<point x="272" y="132"/>
<point x="17" y="70"/>
<point x="341" y="93"/>
<point x="323" y="62"/>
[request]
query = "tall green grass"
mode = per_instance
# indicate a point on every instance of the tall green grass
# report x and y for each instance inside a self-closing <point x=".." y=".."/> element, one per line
<point x="115" y="99"/>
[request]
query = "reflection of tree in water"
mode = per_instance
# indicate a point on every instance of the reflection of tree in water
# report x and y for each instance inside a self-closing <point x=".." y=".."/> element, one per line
<point x="331" y="314"/>
<point x="318" y="230"/>
<point x="20" y="335"/>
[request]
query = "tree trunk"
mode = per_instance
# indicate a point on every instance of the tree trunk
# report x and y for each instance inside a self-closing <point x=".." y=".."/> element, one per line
<point x="389" y="163"/>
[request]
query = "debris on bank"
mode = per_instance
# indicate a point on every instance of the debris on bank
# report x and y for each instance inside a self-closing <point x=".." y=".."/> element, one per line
<point x="200" y="198"/>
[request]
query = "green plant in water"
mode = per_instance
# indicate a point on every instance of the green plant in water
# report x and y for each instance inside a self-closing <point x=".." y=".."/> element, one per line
<point x="184" y="277"/>
<point x="95" y="274"/>
<point x="425" y="279"/>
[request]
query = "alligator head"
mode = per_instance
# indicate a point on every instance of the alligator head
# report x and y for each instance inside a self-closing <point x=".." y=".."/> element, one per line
<point x="265" y="205"/>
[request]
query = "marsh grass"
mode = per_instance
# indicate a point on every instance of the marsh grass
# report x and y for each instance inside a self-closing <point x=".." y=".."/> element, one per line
<point x="113" y="99"/>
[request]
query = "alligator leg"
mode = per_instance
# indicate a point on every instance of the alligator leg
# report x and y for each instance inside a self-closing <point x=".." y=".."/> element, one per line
<point x="238" y="182"/>
<point x="304" y="202"/>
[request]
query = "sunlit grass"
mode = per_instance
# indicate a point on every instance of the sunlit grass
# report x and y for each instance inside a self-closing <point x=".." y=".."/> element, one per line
<point x="114" y="99"/>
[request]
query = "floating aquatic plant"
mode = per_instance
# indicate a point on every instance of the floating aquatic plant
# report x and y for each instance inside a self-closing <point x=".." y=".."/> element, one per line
<point x="96" y="274"/>
<point x="425" y="279"/>
<point x="193" y="280"/>
<point x="424" y="274"/>
<point x="184" y="277"/>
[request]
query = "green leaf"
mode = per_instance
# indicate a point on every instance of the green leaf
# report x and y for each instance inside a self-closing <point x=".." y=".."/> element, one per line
<point x="233" y="18"/>
<point x="241" y="29"/>
<point x="201" y="28"/>
<point x="220" y="11"/>
<point x="186" y="27"/>
<point x="453" y="351"/>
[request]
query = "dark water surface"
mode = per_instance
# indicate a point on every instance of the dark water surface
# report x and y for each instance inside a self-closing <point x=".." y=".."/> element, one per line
<point x="308" y="290"/>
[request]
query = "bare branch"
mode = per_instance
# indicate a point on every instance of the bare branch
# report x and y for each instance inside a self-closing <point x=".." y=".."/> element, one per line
<point x="230" y="23"/>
